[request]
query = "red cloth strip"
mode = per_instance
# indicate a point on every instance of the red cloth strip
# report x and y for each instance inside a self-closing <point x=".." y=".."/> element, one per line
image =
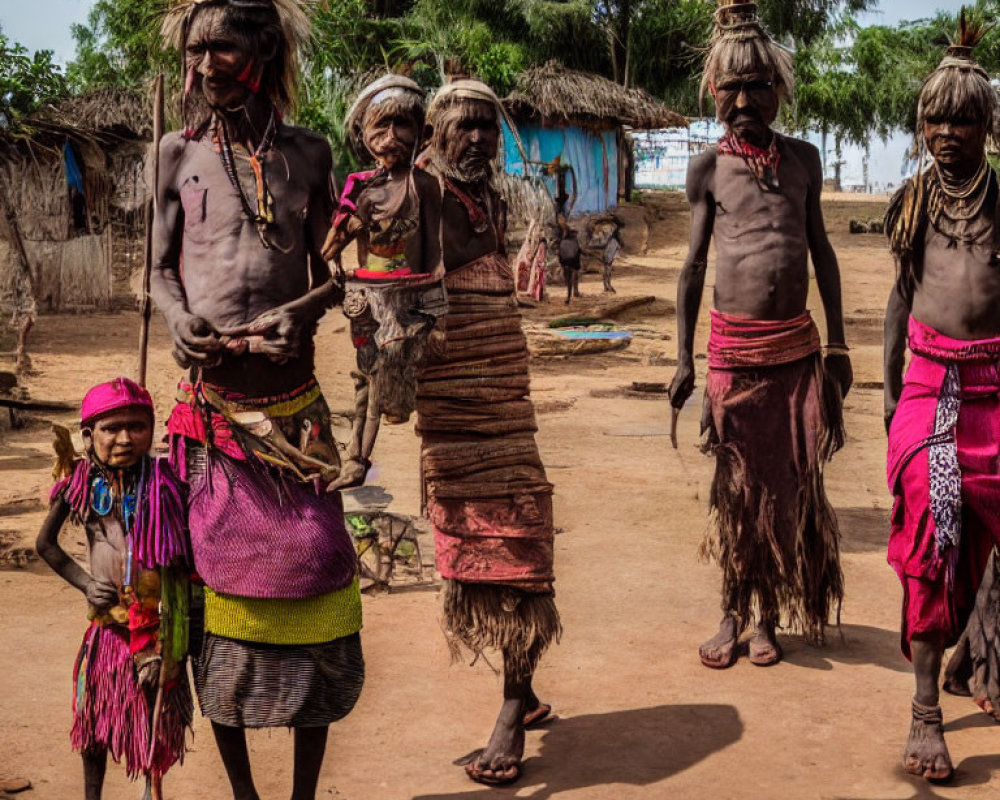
<point x="737" y="342"/>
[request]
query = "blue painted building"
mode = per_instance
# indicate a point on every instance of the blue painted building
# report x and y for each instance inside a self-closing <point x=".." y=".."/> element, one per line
<point x="580" y="121"/>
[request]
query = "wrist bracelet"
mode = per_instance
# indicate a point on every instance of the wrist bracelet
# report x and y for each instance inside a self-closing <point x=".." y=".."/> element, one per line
<point x="837" y="349"/>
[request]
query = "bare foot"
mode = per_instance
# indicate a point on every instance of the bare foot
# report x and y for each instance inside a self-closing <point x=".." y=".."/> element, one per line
<point x="764" y="647"/>
<point x="719" y="652"/>
<point x="500" y="762"/>
<point x="926" y="753"/>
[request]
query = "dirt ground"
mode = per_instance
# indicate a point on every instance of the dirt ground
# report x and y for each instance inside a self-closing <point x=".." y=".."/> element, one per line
<point x="638" y="716"/>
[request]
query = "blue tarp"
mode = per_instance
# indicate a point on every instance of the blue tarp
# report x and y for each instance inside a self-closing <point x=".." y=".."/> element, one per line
<point x="578" y="334"/>
<point x="74" y="175"/>
<point x="593" y="156"/>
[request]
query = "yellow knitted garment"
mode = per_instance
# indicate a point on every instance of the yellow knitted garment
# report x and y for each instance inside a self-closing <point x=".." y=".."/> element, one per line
<point x="312" y="620"/>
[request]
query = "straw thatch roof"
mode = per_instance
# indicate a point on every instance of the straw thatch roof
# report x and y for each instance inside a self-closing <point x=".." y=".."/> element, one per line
<point x="560" y="96"/>
<point x="107" y="117"/>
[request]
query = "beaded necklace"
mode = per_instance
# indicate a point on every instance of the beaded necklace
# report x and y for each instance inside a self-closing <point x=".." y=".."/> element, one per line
<point x="263" y="216"/>
<point x="955" y="208"/>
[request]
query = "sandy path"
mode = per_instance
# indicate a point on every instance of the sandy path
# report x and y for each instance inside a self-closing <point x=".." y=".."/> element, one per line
<point x="638" y="715"/>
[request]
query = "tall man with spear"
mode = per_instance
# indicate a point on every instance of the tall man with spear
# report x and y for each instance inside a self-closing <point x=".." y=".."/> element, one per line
<point x="772" y="402"/>
<point x="244" y="206"/>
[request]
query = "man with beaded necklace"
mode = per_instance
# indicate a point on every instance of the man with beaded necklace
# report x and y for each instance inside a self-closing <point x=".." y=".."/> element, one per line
<point x="944" y="419"/>
<point x="244" y="206"/>
<point x="772" y="410"/>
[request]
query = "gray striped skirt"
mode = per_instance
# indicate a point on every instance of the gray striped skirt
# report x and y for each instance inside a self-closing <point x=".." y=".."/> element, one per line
<point x="250" y="685"/>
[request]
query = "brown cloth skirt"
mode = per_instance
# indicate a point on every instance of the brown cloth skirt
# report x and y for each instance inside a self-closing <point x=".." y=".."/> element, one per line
<point x="485" y="487"/>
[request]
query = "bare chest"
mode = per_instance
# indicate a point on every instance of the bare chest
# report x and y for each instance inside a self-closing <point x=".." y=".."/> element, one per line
<point x="108" y="547"/>
<point x="744" y="210"/>
<point x="219" y="203"/>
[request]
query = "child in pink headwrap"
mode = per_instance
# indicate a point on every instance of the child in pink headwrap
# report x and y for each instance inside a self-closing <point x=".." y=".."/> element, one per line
<point x="131" y="696"/>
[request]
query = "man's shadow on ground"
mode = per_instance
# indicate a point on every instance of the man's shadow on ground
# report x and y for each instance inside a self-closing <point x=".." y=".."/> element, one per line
<point x="852" y="644"/>
<point x="638" y="747"/>
<point x="972" y="771"/>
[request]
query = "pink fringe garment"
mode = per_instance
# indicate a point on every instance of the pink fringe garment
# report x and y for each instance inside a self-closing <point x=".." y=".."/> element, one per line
<point x="112" y="712"/>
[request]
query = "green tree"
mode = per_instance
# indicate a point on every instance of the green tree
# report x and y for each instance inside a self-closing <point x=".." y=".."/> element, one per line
<point x="27" y="81"/>
<point x="120" y="46"/>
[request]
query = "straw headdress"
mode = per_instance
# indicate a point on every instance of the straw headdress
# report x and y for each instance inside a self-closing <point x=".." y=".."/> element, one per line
<point x="291" y="16"/>
<point x="740" y="45"/>
<point x="958" y="89"/>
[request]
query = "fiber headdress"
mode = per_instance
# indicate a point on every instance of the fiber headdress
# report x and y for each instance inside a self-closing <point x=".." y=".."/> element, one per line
<point x="291" y="16"/>
<point x="958" y="89"/>
<point x="396" y="88"/>
<point x="740" y="45"/>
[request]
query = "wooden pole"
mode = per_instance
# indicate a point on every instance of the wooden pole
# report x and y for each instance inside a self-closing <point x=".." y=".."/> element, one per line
<point x="153" y="785"/>
<point x="146" y="305"/>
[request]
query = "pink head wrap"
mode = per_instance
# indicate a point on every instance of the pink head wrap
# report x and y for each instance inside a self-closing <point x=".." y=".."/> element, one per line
<point x="113" y="396"/>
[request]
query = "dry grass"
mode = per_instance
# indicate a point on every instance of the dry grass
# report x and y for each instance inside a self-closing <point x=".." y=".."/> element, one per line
<point x="559" y="95"/>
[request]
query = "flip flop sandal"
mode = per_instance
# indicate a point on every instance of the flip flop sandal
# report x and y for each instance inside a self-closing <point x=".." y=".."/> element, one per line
<point x="537" y="716"/>
<point x="721" y="664"/>
<point x="758" y="661"/>
<point x="479" y="777"/>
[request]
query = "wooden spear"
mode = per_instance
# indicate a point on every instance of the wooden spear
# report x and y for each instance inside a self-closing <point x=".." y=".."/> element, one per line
<point x="146" y="305"/>
<point x="153" y="786"/>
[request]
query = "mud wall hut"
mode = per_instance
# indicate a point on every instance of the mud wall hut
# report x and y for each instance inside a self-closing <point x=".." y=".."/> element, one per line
<point x="73" y="186"/>
<point x="576" y="123"/>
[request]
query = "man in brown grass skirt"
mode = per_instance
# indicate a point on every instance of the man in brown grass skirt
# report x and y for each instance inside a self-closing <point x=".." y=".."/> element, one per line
<point x="485" y="487"/>
<point x="772" y="412"/>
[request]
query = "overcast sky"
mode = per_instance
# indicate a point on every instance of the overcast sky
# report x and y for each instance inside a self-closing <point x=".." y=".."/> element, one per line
<point x="45" y="24"/>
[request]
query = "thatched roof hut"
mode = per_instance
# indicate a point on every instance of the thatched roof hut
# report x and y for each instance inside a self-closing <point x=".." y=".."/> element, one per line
<point x="575" y="128"/>
<point x="555" y="96"/>
<point x="74" y="185"/>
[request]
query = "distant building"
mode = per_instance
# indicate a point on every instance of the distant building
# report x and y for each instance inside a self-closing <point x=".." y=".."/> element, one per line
<point x="661" y="156"/>
<point x="577" y="124"/>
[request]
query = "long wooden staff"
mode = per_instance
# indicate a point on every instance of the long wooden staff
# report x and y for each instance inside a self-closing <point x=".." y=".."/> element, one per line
<point x="153" y="787"/>
<point x="146" y="306"/>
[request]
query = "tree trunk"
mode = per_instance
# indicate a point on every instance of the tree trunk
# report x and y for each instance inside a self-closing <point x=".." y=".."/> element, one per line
<point x="823" y="150"/>
<point x="837" y="164"/>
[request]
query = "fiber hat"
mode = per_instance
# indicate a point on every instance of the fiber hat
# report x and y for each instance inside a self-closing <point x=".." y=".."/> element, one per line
<point x="113" y="396"/>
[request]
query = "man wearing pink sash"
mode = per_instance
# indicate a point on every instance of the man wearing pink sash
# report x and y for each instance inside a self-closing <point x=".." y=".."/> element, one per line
<point x="944" y="419"/>
<point x="772" y="412"/>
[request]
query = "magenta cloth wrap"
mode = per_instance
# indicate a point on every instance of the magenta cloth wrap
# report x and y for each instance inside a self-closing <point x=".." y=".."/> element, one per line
<point x="943" y="468"/>
<point x="113" y="396"/>
<point x="494" y="540"/>
<point x="257" y="531"/>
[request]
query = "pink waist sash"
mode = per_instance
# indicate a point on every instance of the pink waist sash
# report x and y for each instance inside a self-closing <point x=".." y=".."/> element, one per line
<point x="737" y="342"/>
